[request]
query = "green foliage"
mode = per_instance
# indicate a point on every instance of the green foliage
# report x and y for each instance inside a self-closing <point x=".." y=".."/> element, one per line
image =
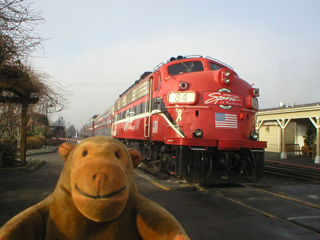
<point x="309" y="138"/>
<point x="31" y="134"/>
<point x="8" y="150"/>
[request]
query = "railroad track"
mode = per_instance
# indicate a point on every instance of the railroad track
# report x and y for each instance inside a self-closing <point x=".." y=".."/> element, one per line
<point x="292" y="170"/>
<point x="298" y="211"/>
<point x="292" y="210"/>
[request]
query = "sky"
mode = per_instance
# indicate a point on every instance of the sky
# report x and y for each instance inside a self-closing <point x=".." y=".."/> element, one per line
<point x="96" y="49"/>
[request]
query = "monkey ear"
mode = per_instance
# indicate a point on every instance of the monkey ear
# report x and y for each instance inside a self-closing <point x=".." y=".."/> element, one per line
<point x="65" y="149"/>
<point x="135" y="156"/>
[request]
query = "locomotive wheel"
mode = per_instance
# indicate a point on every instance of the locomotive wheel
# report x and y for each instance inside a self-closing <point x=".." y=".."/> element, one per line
<point x="204" y="182"/>
<point x="200" y="169"/>
<point x="159" y="164"/>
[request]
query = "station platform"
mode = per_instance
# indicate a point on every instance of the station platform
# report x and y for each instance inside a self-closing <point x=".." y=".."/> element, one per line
<point x="293" y="159"/>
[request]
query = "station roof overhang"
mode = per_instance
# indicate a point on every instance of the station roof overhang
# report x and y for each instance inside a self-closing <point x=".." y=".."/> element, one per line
<point x="284" y="115"/>
<point x="297" y="112"/>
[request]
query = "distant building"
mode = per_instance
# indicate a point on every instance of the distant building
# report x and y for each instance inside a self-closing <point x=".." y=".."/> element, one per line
<point x="287" y="125"/>
<point x="58" y="131"/>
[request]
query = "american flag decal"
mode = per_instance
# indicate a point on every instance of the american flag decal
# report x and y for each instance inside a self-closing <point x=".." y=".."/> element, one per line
<point x="224" y="120"/>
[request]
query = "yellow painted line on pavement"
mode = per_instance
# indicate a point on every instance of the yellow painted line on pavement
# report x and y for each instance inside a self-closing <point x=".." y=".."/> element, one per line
<point x="153" y="182"/>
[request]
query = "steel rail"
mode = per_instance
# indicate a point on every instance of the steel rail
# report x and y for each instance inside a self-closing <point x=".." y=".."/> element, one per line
<point x="296" y="172"/>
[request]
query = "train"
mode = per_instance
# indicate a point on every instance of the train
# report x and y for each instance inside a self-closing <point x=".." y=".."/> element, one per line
<point x="192" y="117"/>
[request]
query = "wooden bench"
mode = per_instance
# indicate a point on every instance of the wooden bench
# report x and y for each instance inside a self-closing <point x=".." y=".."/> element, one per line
<point x="293" y="148"/>
<point x="312" y="151"/>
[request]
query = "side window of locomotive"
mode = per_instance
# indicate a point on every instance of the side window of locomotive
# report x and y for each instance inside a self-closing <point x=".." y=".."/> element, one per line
<point x="185" y="67"/>
<point x="157" y="82"/>
<point x="214" y="66"/>
<point x="138" y="109"/>
<point x="143" y="105"/>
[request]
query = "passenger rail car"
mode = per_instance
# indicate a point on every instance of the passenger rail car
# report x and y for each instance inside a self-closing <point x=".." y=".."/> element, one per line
<point x="195" y="118"/>
<point x="98" y="125"/>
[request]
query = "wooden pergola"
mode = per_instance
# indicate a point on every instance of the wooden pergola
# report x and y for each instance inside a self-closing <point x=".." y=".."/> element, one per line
<point x="21" y="96"/>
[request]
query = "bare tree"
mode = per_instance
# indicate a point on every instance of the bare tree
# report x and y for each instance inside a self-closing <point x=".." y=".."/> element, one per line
<point x="52" y="96"/>
<point x="17" y="40"/>
<point x="20" y="86"/>
<point x="17" y="36"/>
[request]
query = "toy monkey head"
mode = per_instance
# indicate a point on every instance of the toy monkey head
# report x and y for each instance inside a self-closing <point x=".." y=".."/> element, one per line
<point x="99" y="176"/>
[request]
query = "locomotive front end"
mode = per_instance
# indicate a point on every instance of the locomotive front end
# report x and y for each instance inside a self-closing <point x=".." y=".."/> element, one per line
<point x="193" y="117"/>
<point x="212" y="113"/>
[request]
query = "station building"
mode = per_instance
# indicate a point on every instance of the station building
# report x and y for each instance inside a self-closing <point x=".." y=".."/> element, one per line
<point x="288" y="129"/>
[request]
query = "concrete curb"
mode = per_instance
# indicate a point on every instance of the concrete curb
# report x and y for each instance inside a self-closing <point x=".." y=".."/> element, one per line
<point x="35" y="167"/>
<point x="44" y="152"/>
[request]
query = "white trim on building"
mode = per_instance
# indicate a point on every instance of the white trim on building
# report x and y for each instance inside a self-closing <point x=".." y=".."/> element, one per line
<point x="288" y="125"/>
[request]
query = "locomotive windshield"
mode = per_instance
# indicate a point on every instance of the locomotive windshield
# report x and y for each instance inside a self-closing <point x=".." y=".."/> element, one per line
<point x="214" y="66"/>
<point x="185" y="67"/>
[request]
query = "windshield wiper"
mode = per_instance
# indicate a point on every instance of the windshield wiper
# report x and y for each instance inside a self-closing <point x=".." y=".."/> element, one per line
<point x="184" y="65"/>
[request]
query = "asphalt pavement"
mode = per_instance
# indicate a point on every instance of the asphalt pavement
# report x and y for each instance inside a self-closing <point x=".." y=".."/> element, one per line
<point x="202" y="214"/>
<point x="20" y="189"/>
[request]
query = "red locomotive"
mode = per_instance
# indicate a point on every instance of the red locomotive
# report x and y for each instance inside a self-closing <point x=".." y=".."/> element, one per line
<point x="194" y="117"/>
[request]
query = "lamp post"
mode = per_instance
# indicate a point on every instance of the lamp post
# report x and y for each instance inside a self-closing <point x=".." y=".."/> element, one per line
<point x="68" y="124"/>
<point x="46" y="129"/>
<point x="60" y="131"/>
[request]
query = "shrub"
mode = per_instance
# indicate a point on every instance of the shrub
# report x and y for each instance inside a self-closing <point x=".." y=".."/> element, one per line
<point x="309" y="138"/>
<point x="41" y="138"/>
<point x="30" y="134"/>
<point x="34" y="143"/>
<point x="8" y="150"/>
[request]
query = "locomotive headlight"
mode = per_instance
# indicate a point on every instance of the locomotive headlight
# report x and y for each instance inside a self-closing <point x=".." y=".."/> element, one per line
<point x="254" y="92"/>
<point x="183" y="85"/>
<point x="254" y="136"/>
<point x="198" y="133"/>
<point x="227" y="73"/>
<point x="226" y="77"/>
